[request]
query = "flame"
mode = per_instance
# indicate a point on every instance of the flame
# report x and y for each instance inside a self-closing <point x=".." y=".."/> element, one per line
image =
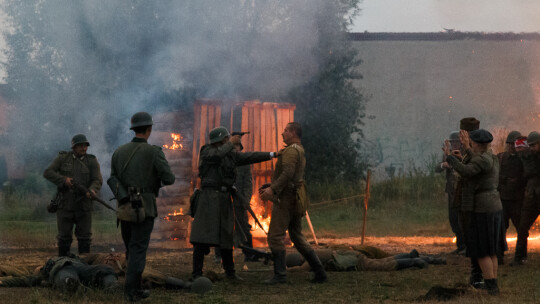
<point x="176" y="145"/>
<point x="170" y="216"/>
<point x="262" y="216"/>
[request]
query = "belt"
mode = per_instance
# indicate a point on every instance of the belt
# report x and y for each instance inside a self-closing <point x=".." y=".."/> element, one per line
<point x="216" y="188"/>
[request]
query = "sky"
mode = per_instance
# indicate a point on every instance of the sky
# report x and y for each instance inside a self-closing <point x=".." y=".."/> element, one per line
<point x="460" y="15"/>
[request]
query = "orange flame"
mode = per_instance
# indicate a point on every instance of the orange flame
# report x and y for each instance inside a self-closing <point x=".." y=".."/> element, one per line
<point x="176" y="145"/>
<point x="170" y="216"/>
<point x="260" y="212"/>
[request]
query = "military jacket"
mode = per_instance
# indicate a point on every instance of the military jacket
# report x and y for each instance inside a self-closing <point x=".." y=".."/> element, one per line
<point x="244" y="183"/>
<point x="289" y="172"/>
<point x="450" y="178"/>
<point x="139" y="164"/>
<point x="213" y="223"/>
<point x="512" y="181"/>
<point x="480" y="178"/>
<point x="84" y="170"/>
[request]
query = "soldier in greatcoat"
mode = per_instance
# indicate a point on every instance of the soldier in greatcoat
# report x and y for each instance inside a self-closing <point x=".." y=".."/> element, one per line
<point x="138" y="169"/>
<point x="213" y="224"/>
<point x="74" y="207"/>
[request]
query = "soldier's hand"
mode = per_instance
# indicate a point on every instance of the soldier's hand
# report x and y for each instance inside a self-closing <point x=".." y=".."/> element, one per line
<point x="445" y="165"/>
<point x="90" y="193"/>
<point x="446" y="147"/>
<point x="236" y="139"/>
<point x="457" y="153"/>
<point x="465" y="139"/>
<point x="69" y="182"/>
<point x="266" y="194"/>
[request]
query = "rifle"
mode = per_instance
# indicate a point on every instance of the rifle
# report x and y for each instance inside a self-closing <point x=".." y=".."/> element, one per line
<point x="247" y="206"/>
<point x="239" y="133"/>
<point x="84" y="190"/>
<point x="259" y="254"/>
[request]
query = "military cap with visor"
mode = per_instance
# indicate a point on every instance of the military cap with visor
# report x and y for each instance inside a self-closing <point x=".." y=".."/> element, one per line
<point x="79" y="139"/>
<point x="469" y="124"/>
<point x="512" y="136"/>
<point x="533" y="138"/>
<point x="141" y="119"/>
<point x="218" y="134"/>
<point x="481" y="136"/>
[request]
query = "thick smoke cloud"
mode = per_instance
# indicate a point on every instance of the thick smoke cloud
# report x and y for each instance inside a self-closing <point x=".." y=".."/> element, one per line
<point x="87" y="66"/>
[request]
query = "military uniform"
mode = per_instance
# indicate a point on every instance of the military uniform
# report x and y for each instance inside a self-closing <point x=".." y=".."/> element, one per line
<point x="531" y="204"/>
<point x="287" y="182"/>
<point x="74" y="208"/>
<point x="213" y="223"/>
<point x="140" y="165"/>
<point x="244" y="188"/>
<point x="511" y="187"/>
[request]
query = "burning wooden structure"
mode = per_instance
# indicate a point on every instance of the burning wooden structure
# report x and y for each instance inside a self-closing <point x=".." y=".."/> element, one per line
<point x="182" y="136"/>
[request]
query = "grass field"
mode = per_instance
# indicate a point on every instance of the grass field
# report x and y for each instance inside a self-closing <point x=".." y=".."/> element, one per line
<point x="404" y="213"/>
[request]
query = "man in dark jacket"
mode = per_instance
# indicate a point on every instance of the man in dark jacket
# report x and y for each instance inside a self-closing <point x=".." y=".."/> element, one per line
<point x="74" y="207"/>
<point x="531" y="203"/>
<point x="138" y="170"/>
<point x="213" y="224"/>
<point x="511" y="184"/>
<point x="453" y="207"/>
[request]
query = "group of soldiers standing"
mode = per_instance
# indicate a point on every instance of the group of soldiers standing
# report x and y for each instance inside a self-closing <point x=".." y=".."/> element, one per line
<point x="517" y="185"/>
<point x="139" y="169"/>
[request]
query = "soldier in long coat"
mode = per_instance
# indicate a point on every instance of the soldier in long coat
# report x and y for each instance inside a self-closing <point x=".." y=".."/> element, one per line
<point x="213" y="223"/>
<point x="75" y="208"/>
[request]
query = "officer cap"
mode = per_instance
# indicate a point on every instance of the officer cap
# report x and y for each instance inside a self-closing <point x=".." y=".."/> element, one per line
<point x="201" y="285"/>
<point x="481" y="136"/>
<point x="533" y="138"/>
<point x="512" y="136"/>
<point x="141" y="119"/>
<point x="218" y="134"/>
<point x="454" y="136"/>
<point x="469" y="124"/>
<point x="79" y="139"/>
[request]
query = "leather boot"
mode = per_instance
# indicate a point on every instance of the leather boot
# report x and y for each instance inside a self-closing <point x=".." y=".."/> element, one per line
<point x="198" y="261"/>
<point x="84" y="247"/>
<point x="408" y="263"/>
<point x="280" y="270"/>
<point x="228" y="265"/>
<point x="476" y="279"/>
<point x="317" y="267"/>
<point x="492" y="287"/>
<point x="433" y="260"/>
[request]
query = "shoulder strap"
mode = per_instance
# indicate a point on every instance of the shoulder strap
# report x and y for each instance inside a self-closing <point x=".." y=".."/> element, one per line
<point x="128" y="160"/>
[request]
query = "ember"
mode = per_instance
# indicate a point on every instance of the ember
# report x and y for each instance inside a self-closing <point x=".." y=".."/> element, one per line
<point x="176" y="145"/>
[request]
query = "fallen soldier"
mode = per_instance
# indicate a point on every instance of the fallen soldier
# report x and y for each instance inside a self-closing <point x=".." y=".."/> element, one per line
<point x="364" y="258"/>
<point x="83" y="268"/>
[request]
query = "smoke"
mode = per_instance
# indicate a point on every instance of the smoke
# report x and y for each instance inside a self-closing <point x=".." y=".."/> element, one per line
<point x="87" y="66"/>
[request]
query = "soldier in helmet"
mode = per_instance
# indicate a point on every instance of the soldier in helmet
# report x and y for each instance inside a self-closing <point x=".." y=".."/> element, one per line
<point x="531" y="203"/>
<point x="74" y="207"/>
<point x="213" y="223"/>
<point x="138" y="170"/>
<point x="511" y="184"/>
<point x="453" y="208"/>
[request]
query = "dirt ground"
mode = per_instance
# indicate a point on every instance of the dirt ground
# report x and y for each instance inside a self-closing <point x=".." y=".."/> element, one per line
<point x="518" y="284"/>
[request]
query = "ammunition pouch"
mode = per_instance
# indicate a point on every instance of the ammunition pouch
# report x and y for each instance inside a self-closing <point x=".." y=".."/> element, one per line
<point x="132" y="208"/>
<point x="52" y="207"/>
<point x="193" y="202"/>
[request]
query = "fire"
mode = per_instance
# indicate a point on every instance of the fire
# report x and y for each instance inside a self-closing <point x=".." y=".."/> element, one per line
<point x="176" y="145"/>
<point x="172" y="217"/>
<point x="262" y="216"/>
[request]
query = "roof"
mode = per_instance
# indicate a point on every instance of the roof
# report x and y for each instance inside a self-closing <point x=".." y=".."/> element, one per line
<point x="443" y="36"/>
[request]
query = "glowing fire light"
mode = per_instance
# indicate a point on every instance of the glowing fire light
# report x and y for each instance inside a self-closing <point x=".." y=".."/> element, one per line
<point x="265" y="221"/>
<point x="511" y="239"/>
<point x="170" y="216"/>
<point x="176" y="145"/>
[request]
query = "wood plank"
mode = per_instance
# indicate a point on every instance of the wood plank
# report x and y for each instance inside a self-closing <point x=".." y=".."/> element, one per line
<point x="280" y="124"/>
<point x="262" y="121"/>
<point x="211" y="116"/>
<point x="257" y="135"/>
<point x="273" y="135"/>
<point x="195" y="155"/>
<point x="245" y="128"/>
<point x="251" y="126"/>
<point x="217" y="117"/>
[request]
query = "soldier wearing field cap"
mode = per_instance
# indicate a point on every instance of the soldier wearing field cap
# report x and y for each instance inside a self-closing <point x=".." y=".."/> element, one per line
<point x="531" y="204"/>
<point x="213" y="223"/>
<point x="480" y="204"/>
<point x="138" y="170"/>
<point x="74" y="207"/>
<point x="453" y="207"/>
<point x="511" y="183"/>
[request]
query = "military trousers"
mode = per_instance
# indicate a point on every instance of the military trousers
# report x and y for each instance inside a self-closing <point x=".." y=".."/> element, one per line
<point x="511" y="211"/>
<point x="136" y="237"/>
<point x="529" y="212"/>
<point x="284" y="217"/>
<point x="242" y="229"/>
<point x="82" y="221"/>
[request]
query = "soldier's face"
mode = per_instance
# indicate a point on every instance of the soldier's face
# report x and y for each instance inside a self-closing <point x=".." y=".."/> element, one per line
<point x="535" y="147"/>
<point x="288" y="135"/>
<point x="80" y="149"/>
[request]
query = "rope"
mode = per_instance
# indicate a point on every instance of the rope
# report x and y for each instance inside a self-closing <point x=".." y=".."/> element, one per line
<point x="336" y="200"/>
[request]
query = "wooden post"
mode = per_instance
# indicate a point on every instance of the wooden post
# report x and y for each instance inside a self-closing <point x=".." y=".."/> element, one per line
<point x="311" y="228"/>
<point x="366" y="200"/>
